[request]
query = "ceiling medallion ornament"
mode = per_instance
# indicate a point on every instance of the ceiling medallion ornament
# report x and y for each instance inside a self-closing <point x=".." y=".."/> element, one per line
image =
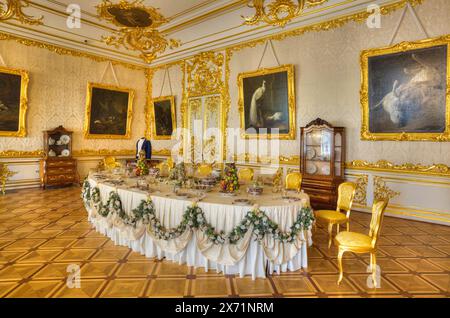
<point x="137" y="28"/>
<point x="279" y="12"/>
<point x="14" y="9"/>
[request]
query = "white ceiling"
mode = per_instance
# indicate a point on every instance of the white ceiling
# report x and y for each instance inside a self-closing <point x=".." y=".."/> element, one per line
<point x="199" y="24"/>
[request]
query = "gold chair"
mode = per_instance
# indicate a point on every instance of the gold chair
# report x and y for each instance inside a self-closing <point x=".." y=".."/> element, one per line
<point x="170" y="163"/>
<point x="204" y="169"/>
<point x="245" y="174"/>
<point x="294" y="181"/>
<point x="362" y="243"/>
<point x="346" y="193"/>
<point x="110" y="163"/>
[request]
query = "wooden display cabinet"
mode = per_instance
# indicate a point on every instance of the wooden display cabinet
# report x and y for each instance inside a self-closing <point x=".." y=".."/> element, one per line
<point x="322" y="162"/>
<point x="58" y="167"/>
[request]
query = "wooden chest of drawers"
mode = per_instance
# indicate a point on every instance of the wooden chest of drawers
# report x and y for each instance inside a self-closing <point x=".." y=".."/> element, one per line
<point x="58" y="171"/>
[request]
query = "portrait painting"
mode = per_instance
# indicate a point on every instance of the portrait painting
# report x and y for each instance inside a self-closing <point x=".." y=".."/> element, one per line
<point x="163" y="118"/>
<point x="108" y="111"/>
<point x="406" y="92"/>
<point x="13" y="102"/>
<point x="267" y="103"/>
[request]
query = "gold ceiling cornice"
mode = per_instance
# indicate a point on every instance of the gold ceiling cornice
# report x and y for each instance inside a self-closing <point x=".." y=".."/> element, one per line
<point x="278" y="12"/>
<point x="65" y="51"/>
<point x="14" y="10"/>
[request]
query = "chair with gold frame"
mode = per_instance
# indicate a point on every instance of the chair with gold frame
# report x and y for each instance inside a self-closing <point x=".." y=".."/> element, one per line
<point x="5" y="173"/>
<point x="204" y="169"/>
<point x="110" y="163"/>
<point x="245" y="174"/>
<point x="361" y="243"/>
<point x="294" y="181"/>
<point x="346" y="193"/>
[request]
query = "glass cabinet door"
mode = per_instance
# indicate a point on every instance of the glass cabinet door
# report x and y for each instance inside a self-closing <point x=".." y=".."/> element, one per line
<point x="317" y="152"/>
<point x="337" y="154"/>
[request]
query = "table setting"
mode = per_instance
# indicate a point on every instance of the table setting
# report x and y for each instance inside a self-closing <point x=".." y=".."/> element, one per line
<point x="251" y="230"/>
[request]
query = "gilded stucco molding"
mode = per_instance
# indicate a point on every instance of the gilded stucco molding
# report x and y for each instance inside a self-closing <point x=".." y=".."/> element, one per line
<point x="293" y="160"/>
<point x="327" y="25"/>
<point x="14" y="10"/>
<point x="22" y="154"/>
<point x="384" y="165"/>
<point x="361" y="190"/>
<point x="381" y="190"/>
<point x="64" y="51"/>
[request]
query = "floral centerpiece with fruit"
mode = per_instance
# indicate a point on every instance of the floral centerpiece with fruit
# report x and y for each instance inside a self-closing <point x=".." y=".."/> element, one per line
<point x="141" y="167"/>
<point x="178" y="174"/>
<point x="230" y="182"/>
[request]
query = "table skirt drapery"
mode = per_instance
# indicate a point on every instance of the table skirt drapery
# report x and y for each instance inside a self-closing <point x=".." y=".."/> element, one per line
<point x="246" y="257"/>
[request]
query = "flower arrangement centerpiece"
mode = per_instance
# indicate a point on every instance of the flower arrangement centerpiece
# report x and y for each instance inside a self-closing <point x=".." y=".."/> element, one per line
<point x="178" y="174"/>
<point x="142" y="168"/>
<point x="229" y="181"/>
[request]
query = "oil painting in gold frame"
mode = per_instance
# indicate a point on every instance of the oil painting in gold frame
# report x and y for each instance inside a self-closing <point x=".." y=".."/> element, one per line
<point x="109" y="111"/>
<point x="13" y="102"/>
<point x="405" y="91"/>
<point x="266" y="102"/>
<point x="163" y="117"/>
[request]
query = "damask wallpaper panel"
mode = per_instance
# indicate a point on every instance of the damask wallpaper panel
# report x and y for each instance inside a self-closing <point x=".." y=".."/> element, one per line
<point x="57" y="96"/>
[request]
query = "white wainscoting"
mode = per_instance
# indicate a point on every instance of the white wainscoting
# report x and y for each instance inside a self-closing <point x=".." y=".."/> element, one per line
<point x="421" y="197"/>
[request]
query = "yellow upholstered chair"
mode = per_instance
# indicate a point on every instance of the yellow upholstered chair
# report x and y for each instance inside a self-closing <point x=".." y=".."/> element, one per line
<point x="346" y="193"/>
<point x="245" y="174"/>
<point x="204" y="169"/>
<point x="294" y="181"/>
<point x="170" y="163"/>
<point x="362" y="243"/>
<point x="110" y="163"/>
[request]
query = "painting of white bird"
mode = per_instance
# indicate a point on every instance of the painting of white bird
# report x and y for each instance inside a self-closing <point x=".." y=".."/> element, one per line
<point x="266" y="96"/>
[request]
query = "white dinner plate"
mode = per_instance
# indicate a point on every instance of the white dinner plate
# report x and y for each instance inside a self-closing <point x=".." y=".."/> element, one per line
<point x="310" y="153"/>
<point x="311" y="168"/>
<point x="65" y="153"/>
<point x="325" y="170"/>
<point x="65" y="139"/>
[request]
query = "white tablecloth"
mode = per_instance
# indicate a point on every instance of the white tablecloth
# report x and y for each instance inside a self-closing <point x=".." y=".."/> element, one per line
<point x="248" y="257"/>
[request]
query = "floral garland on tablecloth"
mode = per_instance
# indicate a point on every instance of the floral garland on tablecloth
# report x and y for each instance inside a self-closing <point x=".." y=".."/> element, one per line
<point x="194" y="218"/>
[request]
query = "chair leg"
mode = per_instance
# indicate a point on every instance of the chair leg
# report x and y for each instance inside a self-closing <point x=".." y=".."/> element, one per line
<point x="373" y="264"/>
<point x="330" y="234"/>
<point x="341" y="269"/>
<point x="338" y="228"/>
<point x="348" y="226"/>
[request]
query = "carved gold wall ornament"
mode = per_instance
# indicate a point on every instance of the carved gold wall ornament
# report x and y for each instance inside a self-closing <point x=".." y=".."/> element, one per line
<point x="284" y="160"/>
<point x="137" y="28"/>
<point x="205" y="74"/>
<point x="361" y="190"/>
<point x="384" y="165"/>
<point x="381" y="190"/>
<point x="402" y="47"/>
<point x="279" y="12"/>
<point x="14" y="10"/>
<point x="23" y="103"/>
<point x="121" y="152"/>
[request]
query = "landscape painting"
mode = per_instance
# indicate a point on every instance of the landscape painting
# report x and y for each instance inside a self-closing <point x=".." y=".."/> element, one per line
<point x="406" y="94"/>
<point x="108" y="111"/>
<point x="13" y="102"/>
<point x="267" y="103"/>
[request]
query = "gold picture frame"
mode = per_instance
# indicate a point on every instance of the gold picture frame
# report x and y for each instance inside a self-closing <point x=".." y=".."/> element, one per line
<point x="290" y="86"/>
<point x="404" y="47"/>
<point x="89" y="111"/>
<point x="153" y="128"/>
<point x="23" y="103"/>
